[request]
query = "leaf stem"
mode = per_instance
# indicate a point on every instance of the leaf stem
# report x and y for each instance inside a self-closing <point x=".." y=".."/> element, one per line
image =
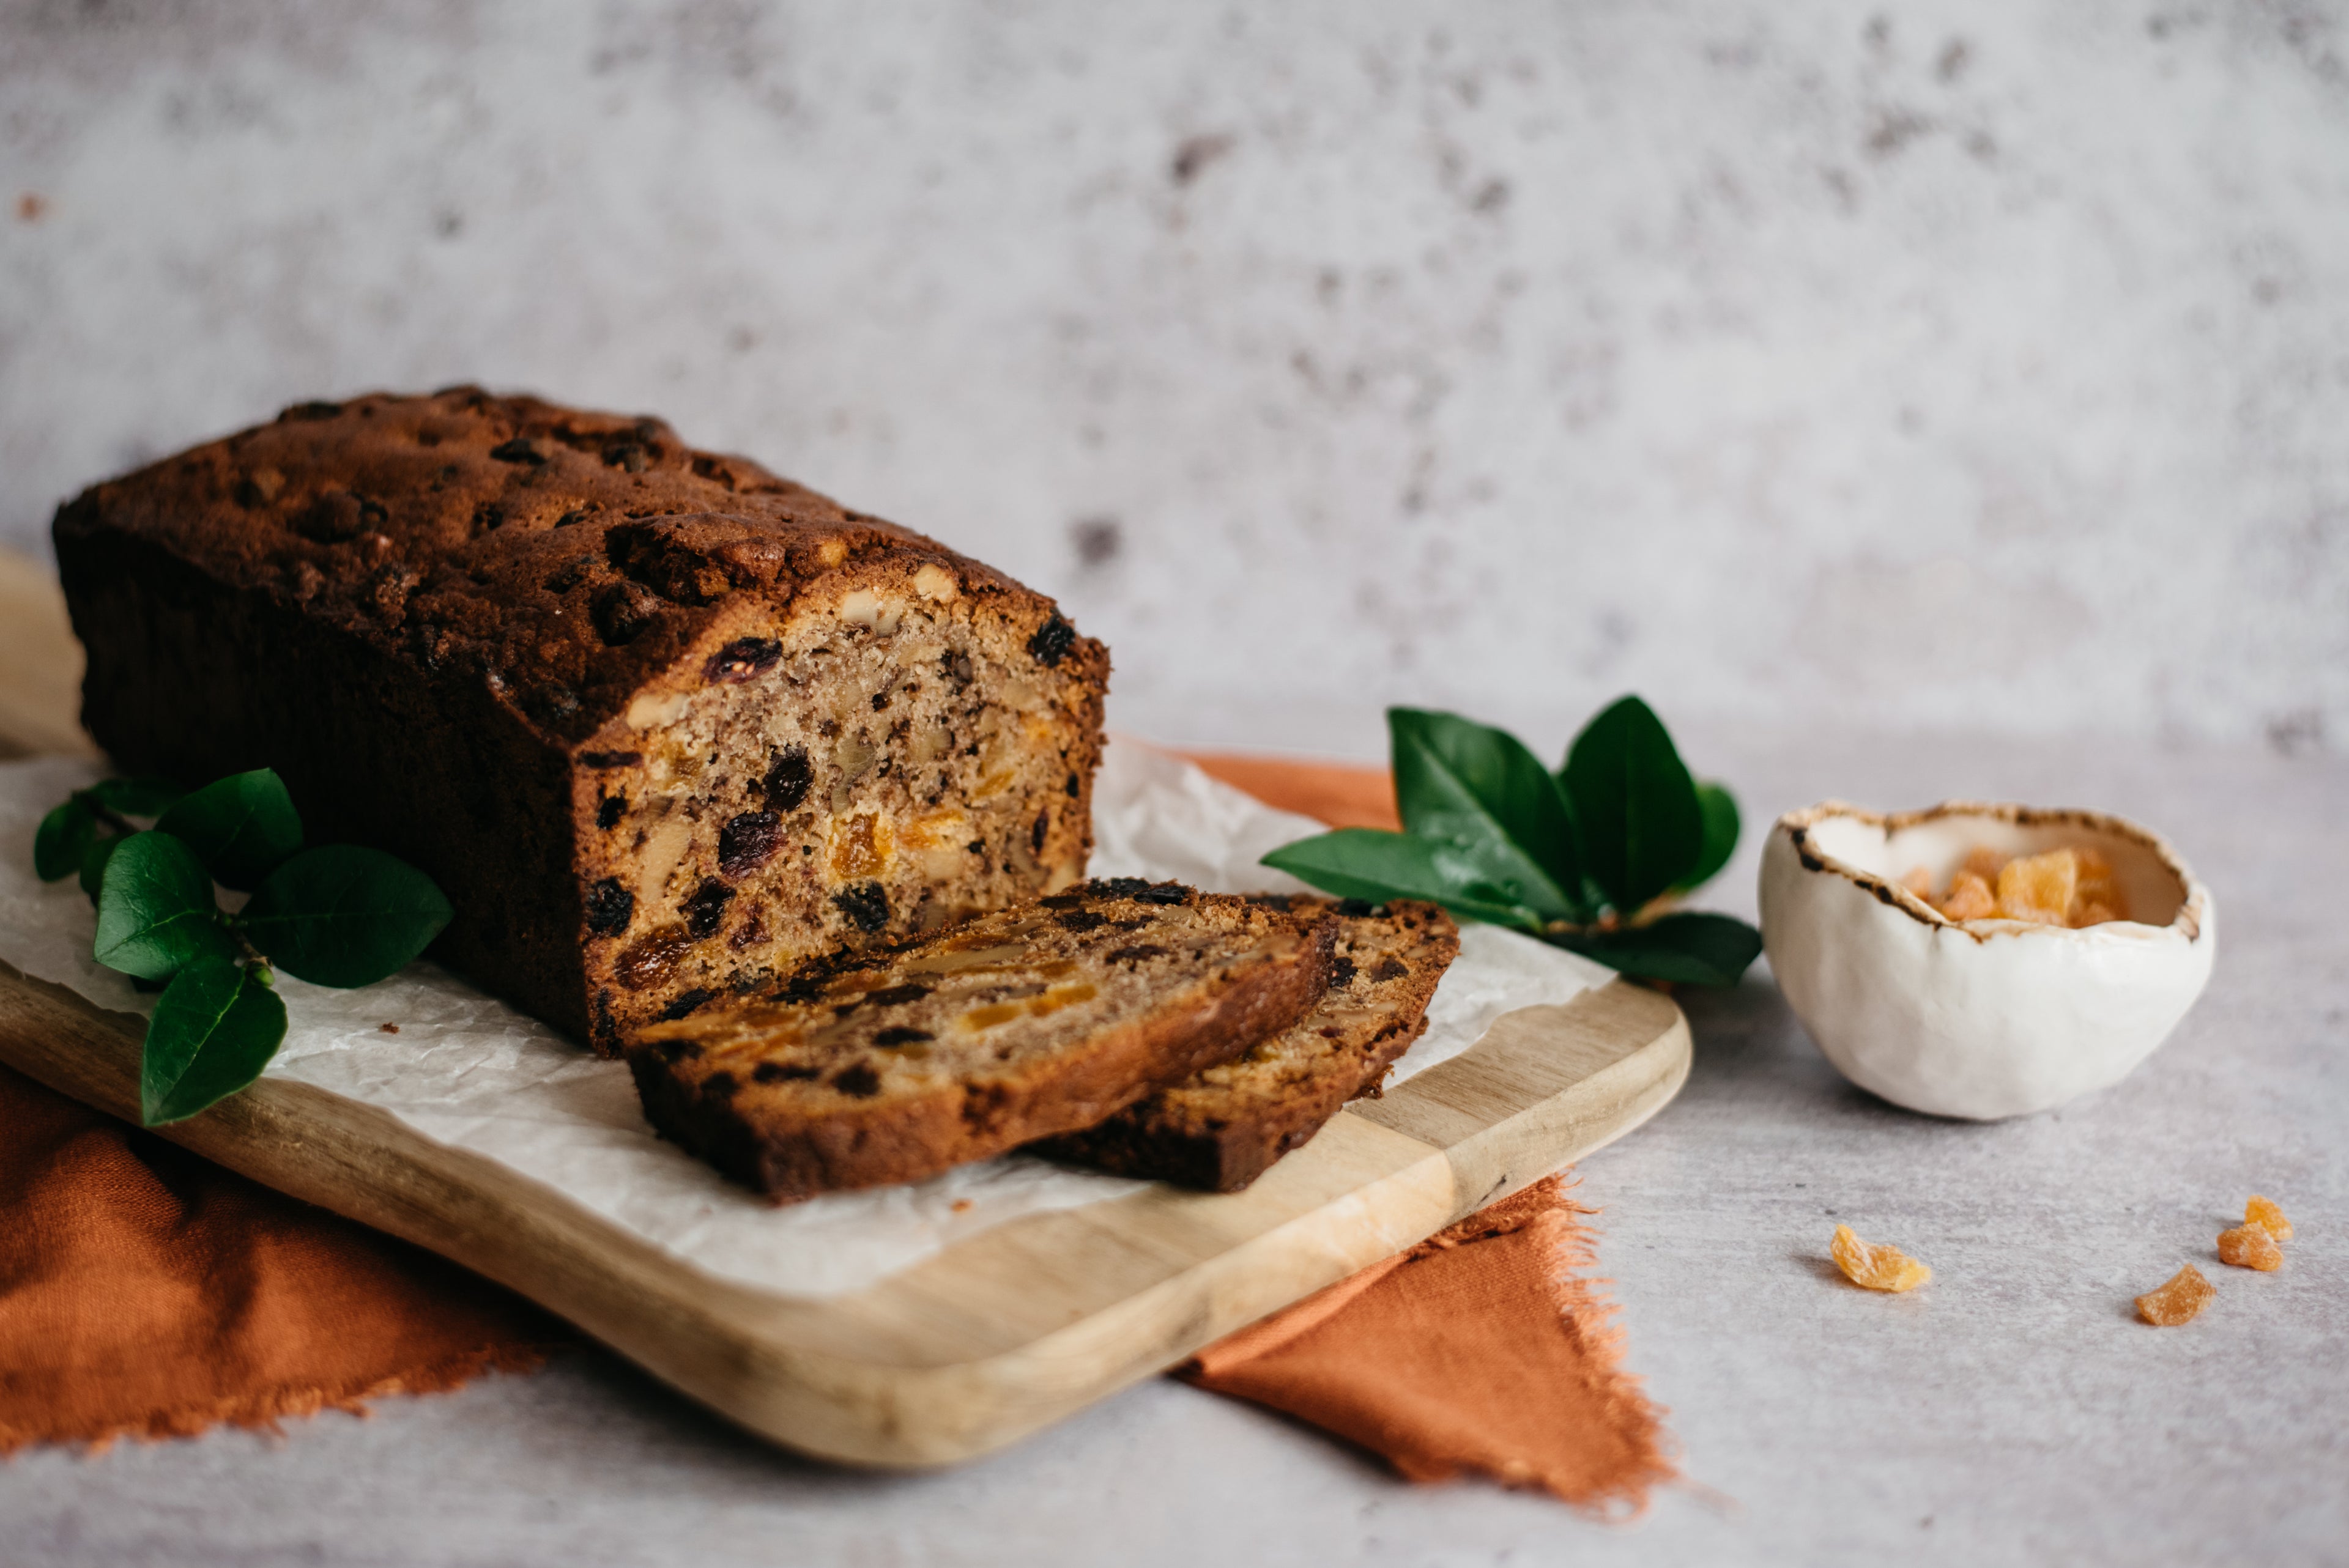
<point x="1607" y="920"/>
<point x="253" y="958"/>
<point x="104" y="813"/>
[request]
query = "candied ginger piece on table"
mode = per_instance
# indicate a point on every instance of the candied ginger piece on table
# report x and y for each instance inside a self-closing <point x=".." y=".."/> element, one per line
<point x="1984" y="862"/>
<point x="2263" y="1212"/>
<point x="2249" y="1246"/>
<point x="1876" y="1267"/>
<point x="1970" y="899"/>
<point x="2187" y="1294"/>
<point x="2038" y="888"/>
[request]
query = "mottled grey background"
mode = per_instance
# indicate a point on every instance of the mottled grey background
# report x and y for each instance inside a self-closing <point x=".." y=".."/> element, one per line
<point x="1953" y="367"/>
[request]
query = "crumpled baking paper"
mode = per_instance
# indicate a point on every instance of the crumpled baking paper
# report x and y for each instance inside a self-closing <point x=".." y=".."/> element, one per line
<point x="467" y="1071"/>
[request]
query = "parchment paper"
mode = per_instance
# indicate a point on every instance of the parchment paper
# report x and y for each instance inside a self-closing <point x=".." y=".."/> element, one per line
<point x="470" y="1072"/>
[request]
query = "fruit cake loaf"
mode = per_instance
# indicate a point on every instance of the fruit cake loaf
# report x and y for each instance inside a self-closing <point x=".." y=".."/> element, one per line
<point x="1223" y="1126"/>
<point x="660" y="723"/>
<point x="894" y="1064"/>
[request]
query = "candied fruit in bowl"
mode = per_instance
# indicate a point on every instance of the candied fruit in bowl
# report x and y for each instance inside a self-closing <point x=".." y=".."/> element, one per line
<point x="1876" y="1267"/>
<point x="2038" y="888"/>
<point x="2070" y="887"/>
<point x="2063" y="946"/>
<point x="1970" y="899"/>
<point x="2096" y="896"/>
<point x="1984" y="862"/>
<point x="2178" y="1301"/>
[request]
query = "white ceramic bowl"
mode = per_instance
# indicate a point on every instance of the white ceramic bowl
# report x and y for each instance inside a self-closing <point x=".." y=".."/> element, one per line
<point x="1990" y="1017"/>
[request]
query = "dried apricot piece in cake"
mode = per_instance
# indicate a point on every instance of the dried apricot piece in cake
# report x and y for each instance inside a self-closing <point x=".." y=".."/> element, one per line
<point x="2262" y="1211"/>
<point x="2038" y="888"/>
<point x="1970" y="899"/>
<point x="2249" y="1246"/>
<point x="2185" y="1295"/>
<point x="1876" y="1267"/>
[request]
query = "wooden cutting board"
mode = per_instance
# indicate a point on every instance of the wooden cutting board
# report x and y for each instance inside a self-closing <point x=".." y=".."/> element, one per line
<point x="981" y="1344"/>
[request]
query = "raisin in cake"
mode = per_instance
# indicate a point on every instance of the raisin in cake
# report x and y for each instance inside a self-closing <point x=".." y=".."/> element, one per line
<point x="1224" y="1126"/>
<point x="894" y="1065"/>
<point x="659" y="722"/>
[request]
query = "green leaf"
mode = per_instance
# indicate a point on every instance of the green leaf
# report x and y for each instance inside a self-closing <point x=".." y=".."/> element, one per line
<point x="344" y="915"/>
<point x="136" y="796"/>
<point x="215" y="1028"/>
<point x="64" y="836"/>
<point x="1641" y="827"/>
<point x="94" y="862"/>
<point x="155" y="910"/>
<point x="1720" y="812"/>
<point x="1372" y="864"/>
<point x="242" y="827"/>
<point x="1479" y="791"/>
<point x="1701" y="949"/>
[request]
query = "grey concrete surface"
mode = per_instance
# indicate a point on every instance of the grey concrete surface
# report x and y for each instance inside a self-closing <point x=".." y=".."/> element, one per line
<point x="1812" y="360"/>
<point x="2012" y="1411"/>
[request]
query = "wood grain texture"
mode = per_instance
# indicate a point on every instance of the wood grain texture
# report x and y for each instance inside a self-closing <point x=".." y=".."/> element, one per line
<point x="40" y="665"/>
<point x="958" y="1354"/>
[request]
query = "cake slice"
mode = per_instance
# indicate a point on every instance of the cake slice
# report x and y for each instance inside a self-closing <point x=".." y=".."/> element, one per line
<point x="897" y="1063"/>
<point x="1223" y="1127"/>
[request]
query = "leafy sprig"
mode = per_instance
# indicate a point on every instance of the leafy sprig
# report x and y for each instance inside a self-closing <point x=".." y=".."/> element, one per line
<point x="1593" y="857"/>
<point x="337" y="915"/>
<point x="81" y="835"/>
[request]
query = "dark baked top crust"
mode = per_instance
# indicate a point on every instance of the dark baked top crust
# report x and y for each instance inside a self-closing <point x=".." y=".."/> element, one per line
<point x="569" y="555"/>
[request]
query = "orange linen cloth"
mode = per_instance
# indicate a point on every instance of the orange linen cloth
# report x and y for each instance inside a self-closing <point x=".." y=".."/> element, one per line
<point x="1479" y="1351"/>
<point x="1343" y="795"/>
<point x="146" y="1292"/>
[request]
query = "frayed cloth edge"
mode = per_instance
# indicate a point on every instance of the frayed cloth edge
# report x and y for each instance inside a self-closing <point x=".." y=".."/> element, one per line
<point x="264" y="1410"/>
